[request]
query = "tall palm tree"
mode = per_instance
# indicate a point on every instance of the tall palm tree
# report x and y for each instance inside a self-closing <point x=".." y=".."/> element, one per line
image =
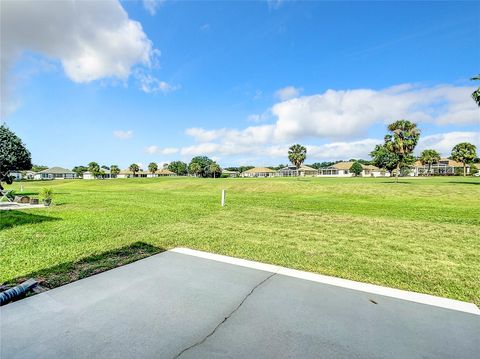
<point x="476" y="93"/>
<point x="194" y="168"/>
<point x="94" y="168"/>
<point x="134" y="168"/>
<point x="214" y="168"/>
<point x="114" y="170"/>
<point x="428" y="157"/>
<point x="464" y="152"/>
<point x="297" y="155"/>
<point x="402" y="140"/>
<point x="152" y="167"/>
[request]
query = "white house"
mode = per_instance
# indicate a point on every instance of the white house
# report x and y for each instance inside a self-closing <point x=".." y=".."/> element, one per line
<point x="129" y="174"/>
<point x="443" y="167"/>
<point x="161" y="173"/>
<point x="230" y="173"/>
<point x="292" y="171"/>
<point x="259" y="172"/>
<point x="104" y="174"/>
<point x="88" y="175"/>
<point x="342" y="169"/>
<point x="29" y="175"/>
<point x="17" y="176"/>
<point x="55" y="173"/>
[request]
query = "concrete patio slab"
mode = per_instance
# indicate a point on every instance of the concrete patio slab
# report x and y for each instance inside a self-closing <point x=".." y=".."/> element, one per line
<point x="190" y="304"/>
<point x="8" y="206"/>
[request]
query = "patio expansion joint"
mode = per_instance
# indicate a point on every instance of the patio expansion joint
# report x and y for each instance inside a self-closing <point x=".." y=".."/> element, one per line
<point x="225" y="319"/>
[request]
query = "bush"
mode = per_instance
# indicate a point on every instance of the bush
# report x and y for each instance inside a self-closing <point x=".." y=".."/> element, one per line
<point x="473" y="169"/>
<point x="47" y="195"/>
<point x="356" y="168"/>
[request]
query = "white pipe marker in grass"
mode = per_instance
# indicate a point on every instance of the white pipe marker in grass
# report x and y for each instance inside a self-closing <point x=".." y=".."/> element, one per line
<point x="223" y="197"/>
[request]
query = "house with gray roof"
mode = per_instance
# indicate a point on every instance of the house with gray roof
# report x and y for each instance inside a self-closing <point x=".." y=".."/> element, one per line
<point x="56" y="173"/>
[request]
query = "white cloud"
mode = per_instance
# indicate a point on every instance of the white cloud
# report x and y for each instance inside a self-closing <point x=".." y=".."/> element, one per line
<point x="150" y="84"/>
<point x="444" y="142"/>
<point x="287" y="93"/>
<point x="343" y="114"/>
<point x="343" y="150"/>
<point x="91" y="39"/>
<point x="259" y="117"/>
<point x="205" y="27"/>
<point x="161" y="151"/>
<point x="123" y="135"/>
<point x="152" y="5"/>
<point x="274" y="4"/>
<point x="342" y="117"/>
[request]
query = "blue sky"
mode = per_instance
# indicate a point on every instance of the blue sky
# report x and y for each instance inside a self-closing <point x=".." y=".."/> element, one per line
<point x="147" y="81"/>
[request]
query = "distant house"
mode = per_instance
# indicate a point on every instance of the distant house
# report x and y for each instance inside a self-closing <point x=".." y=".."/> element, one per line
<point x="443" y="167"/>
<point x="29" y="175"/>
<point x="55" y="173"/>
<point x="88" y="175"/>
<point x="259" y="172"/>
<point x="104" y="174"/>
<point x="292" y="171"/>
<point x="165" y="172"/>
<point x="129" y="174"/>
<point x="230" y="173"/>
<point x="342" y="169"/>
<point x="161" y="173"/>
<point x="17" y="175"/>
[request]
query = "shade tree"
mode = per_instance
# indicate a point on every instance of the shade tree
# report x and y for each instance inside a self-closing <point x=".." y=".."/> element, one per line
<point x="14" y="155"/>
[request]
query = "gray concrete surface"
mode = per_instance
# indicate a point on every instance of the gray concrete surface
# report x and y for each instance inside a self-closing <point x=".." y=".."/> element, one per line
<point x="174" y="305"/>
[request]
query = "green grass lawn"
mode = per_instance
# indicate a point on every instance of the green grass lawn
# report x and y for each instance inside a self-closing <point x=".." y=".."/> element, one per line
<point x="421" y="234"/>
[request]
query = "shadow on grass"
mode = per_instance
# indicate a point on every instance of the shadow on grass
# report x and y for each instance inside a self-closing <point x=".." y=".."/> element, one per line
<point x="467" y="182"/>
<point x="399" y="182"/>
<point x="12" y="218"/>
<point x="71" y="271"/>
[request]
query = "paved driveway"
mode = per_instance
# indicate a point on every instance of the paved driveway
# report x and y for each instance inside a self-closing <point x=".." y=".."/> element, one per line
<point x="189" y="304"/>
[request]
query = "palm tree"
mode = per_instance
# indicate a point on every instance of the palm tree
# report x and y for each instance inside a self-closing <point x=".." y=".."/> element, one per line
<point x="402" y="140"/>
<point x="114" y="170"/>
<point x="152" y="167"/>
<point x="214" y="168"/>
<point x="134" y="168"/>
<point x="476" y="93"/>
<point x="94" y="168"/>
<point x="429" y="157"/>
<point x="297" y="155"/>
<point x="194" y="168"/>
<point x="464" y="152"/>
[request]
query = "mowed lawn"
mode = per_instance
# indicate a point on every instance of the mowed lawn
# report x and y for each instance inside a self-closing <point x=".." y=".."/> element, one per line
<point x="421" y="234"/>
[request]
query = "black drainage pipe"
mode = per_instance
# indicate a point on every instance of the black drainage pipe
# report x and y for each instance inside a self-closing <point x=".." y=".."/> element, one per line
<point x="12" y="293"/>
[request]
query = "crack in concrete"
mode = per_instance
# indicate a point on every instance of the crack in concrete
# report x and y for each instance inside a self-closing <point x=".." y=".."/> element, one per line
<point x="224" y="320"/>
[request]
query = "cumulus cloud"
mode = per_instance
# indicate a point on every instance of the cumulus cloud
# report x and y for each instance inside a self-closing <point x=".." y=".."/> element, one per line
<point x="161" y="151"/>
<point x="123" y="135"/>
<point x="343" y="117"/>
<point x="152" y="5"/>
<point x="343" y="114"/>
<point x="287" y="93"/>
<point x="91" y="39"/>
<point x="444" y="142"/>
<point x="334" y="151"/>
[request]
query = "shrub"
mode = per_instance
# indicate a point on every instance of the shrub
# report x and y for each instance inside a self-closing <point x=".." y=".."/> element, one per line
<point x="46" y="193"/>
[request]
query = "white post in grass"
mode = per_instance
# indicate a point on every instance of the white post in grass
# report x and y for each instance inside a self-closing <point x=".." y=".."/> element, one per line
<point x="223" y="197"/>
